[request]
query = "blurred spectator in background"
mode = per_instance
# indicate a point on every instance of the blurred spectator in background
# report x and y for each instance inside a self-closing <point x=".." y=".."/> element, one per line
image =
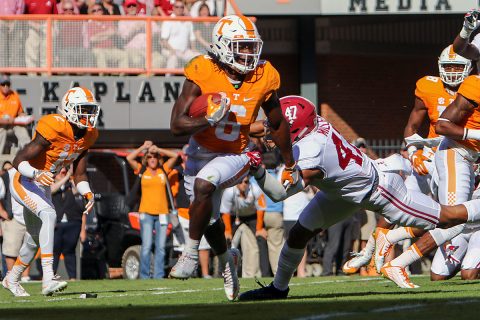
<point x="195" y="9"/>
<point x="82" y="6"/>
<point x="103" y="40"/>
<point x="339" y="246"/>
<point x="203" y="30"/>
<point x="68" y="40"/>
<point x="162" y="8"/>
<point x="135" y="38"/>
<point x="177" y="38"/>
<point x="10" y="33"/>
<point x="273" y="216"/>
<point x="70" y="222"/>
<point x="112" y="8"/>
<point x="67" y="7"/>
<point x="153" y="204"/>
<point x="35" y="45"/>
<point x="246" y="204"/>
<point x="12" y="118"/>
<point x="292" y="207"/>
<point x="182" y="203"/>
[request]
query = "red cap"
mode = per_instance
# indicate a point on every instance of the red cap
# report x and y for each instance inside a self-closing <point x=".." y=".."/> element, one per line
<point x="129" y="2"/>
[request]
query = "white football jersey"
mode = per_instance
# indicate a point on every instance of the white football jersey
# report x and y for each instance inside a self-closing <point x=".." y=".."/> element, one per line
<point x="347" y="171"/>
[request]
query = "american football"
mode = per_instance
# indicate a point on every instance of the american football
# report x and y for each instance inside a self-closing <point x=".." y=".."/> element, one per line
<point x="199" y="105"/>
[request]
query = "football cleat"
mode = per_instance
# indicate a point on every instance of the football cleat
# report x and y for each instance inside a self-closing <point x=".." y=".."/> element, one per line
<point x="53" y="286"/>
<point x="398" y="275"/>
<point x="382" y="247"/>
<point x="359" y="260"/>
<point x="230" y="276"/>
<point x="184" y="268"/>
<point x="264" y="293"/>
<point x="14" y="287"/>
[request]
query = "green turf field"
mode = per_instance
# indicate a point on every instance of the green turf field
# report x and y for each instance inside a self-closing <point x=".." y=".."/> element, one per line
<point x="312" y="298"/>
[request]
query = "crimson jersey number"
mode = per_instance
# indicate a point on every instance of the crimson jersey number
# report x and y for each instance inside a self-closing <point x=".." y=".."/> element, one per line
<point x="346" y="153"/>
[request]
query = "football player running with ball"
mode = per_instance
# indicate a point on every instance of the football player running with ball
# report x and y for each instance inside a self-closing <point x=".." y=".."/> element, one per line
<point x="217" y="152"/>
<point x="60" y="140"/>
<point x="348" y="181"/>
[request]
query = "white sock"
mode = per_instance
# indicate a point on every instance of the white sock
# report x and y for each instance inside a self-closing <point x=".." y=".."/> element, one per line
<point x="408" y="257"/>
<point x="47" y="267"/>
<point x="191" y="247"/>
<point x="288" y="262"/>
<point x="398" y="234"/>
<point x="473" y="210"/>
<point x="16" y="273"/>
<point x="370" y="246"/>
<point x="440" y="236"/>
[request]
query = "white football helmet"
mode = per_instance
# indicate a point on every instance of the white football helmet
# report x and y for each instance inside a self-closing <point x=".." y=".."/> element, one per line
<point x="449" y="58"/>
<point x="80" y="107"/>
<point x="236" y="43"/>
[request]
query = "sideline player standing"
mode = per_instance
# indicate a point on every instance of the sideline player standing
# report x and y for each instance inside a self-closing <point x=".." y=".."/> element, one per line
<point x="348" y="181"/>
<point x="217" y="156"/>
<point x="59" y="140"/>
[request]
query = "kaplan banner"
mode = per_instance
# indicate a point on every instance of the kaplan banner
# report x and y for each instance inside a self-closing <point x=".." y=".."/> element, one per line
<point x="126" y="102"/>
<point x="348" y="7"/>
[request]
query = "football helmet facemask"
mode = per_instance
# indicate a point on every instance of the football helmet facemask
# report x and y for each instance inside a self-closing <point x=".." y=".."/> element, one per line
<point x="236" y="43"/>
<point x="453" y="68"/>
<point x="80" y="107"/>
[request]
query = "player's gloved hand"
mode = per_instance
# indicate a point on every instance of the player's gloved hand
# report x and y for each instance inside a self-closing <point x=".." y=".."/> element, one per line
<point x="290" y="176"/>
<point x="469" y="23"/>
<point x="90" y="202"/>
<point x="216" y="112"/>
<point x="45" y="178"/>
<point x="254" y="159"/>
<point x="417" y="159"/>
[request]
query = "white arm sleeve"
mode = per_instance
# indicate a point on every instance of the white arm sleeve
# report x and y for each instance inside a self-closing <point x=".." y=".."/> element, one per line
<point x="273" y="188"/>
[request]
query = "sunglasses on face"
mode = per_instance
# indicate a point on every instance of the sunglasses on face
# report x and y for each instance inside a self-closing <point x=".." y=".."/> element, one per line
<point x="5" y="84"/>
<point x="132" y="6"/>
<point x="96" y="10"/>
<point x="152" y="157"/>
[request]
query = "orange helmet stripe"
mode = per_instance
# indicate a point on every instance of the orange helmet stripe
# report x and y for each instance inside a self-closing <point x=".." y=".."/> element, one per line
<point x="451" y="54"/>
<point x="249" y="27"/>
<point x="88" y="94"/>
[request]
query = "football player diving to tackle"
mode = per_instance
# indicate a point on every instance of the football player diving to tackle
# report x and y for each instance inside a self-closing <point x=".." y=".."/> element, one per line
<point x="348" y="181"/>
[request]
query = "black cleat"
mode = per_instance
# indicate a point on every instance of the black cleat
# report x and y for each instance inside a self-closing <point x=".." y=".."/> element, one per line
<point x="264" y="293"/>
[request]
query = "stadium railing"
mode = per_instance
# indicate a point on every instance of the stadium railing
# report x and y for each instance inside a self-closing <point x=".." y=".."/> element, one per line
<point x="62" y="44"/>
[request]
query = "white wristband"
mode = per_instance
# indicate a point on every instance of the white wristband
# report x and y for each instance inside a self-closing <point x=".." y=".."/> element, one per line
<point x="83" y="187"/>
<point x="26" y="169"/>
<point x="411" y="150"/>
<point x="465" y="33"/>
<point x="473" y="134"/>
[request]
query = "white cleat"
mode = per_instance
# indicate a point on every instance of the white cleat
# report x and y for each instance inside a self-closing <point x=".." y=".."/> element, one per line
<point x="359" y="260"/>
<point x="53" y="286"/>
<point x="230" y="276"/>
<point x="398" y="275"/>
<point x="14" y="287"/>
<point x="184" y="268"/>
<point x="382" y="247"/>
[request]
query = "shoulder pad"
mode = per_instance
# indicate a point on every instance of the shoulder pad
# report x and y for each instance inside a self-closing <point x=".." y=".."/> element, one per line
<point x="199" y="68"/>
<point x="50" y="125"/>
<point x="309" y="147"/>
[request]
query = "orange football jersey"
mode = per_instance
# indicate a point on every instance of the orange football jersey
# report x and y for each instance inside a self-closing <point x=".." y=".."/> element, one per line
<point x="470" y="89"/>
<point x="435" y="97"/>
<point x="64" y="149"/>
<point x="231" y="134"/>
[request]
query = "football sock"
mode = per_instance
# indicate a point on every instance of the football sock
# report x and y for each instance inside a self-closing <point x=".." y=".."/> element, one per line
<point x="223" y="259"/>
<point x="47" y="267"/>
<point x="288" y="262"/>
<point x="370" y="246"/>
<point x="191" y="247"/>
<point x="440" y="236"/>
<point x="16" y="273"/>
<point x="398" y="234"/>
<point x="411" y="255"/>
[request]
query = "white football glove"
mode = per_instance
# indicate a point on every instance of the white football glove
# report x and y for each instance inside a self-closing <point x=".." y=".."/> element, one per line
<point x="469" y="23"/>
<point x="216" y="112"/>
<point x="45" y="178"/>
